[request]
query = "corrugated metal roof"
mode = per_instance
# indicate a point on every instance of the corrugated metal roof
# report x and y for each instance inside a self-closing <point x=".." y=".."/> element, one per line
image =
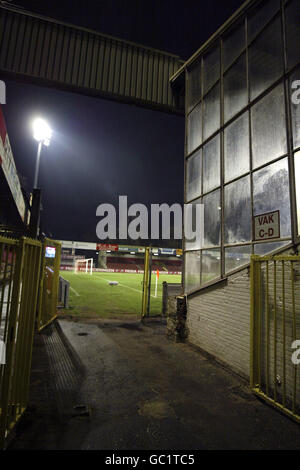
<point x="51" y="52"/>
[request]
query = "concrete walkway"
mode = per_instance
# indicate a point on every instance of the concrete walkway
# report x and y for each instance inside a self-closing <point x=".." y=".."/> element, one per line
<point x="139" y="391"/>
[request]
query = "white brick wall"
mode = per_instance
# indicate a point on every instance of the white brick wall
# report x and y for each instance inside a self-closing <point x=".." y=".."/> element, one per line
<point x="219" y="322"/>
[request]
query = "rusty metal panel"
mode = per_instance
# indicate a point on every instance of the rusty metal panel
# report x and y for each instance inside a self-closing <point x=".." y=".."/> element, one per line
<point x="43" y="50"/>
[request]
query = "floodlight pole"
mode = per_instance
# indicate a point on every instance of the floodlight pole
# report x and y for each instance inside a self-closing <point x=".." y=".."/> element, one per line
<point x="37" y="165"/>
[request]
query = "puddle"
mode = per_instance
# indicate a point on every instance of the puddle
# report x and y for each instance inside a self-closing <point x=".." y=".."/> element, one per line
<point x="156" y="409"/>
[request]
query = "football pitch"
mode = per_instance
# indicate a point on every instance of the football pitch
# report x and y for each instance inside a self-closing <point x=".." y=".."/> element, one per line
<point x="92" y="295"/>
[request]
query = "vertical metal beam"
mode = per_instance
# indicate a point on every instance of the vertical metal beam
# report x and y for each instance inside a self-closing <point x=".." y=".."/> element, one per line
<point x="275" y="331"/>
<point x="267" y="328"/>
<point x="145" y="282"/>
<point x="283" y="336"/>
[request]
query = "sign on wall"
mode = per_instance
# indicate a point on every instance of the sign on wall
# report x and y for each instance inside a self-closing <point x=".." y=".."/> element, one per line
<point x="267" y="226"/>
<point x="8" y="166"/>
<point x="78" y="245"/>
<point x="107" y="247"/>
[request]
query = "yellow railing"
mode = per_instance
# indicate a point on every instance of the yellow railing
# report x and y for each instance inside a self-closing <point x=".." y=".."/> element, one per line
<point x="275" y="327"/>
<point x="49" y="283"/>
<point x="146" y="278"/>
<point x="20" y="270"/>
<point x="29" y="278"/>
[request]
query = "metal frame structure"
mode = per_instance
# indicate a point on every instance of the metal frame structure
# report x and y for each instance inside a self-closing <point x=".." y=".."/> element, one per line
<point x="275" y="325"/>
<point x="217" y="40"/>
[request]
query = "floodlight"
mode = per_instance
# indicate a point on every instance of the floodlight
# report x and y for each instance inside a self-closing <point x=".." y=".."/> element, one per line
<point x="42" y="132"/>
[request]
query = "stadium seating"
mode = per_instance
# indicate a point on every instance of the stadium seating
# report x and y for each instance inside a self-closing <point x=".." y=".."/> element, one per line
<point x="137" y="264"/>
<point x="124" y="263"/>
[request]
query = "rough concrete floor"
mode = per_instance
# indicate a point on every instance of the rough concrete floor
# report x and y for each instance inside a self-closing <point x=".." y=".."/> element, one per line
<point x="142" y="391"/>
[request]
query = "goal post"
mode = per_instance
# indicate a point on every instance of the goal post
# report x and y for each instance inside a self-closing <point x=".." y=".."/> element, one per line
<point x="83" y="265"/>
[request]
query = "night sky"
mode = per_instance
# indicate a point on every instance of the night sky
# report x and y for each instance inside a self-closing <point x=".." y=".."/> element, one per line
<point x="101" y="149"/>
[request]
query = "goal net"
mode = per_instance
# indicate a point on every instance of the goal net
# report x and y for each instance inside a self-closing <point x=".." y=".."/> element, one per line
<point x="83" y="266"/>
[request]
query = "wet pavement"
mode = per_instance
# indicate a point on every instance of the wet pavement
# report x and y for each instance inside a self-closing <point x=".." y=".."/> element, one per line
<point x="123" y="385"/>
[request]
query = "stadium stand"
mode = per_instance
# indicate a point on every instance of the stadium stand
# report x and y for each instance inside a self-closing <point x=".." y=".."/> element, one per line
<point x="137" y="264"/>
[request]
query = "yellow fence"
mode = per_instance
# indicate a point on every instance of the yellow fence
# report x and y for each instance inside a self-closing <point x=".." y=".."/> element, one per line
<point x="29" y="277"/>
<point x="49" y="283"/>
<point x="146" y="279"/>
<point x="275" y="328"/>
<point x="20" y="263"/>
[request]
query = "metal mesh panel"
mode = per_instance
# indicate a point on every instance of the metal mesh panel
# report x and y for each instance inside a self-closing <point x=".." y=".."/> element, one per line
<point x="275" y="310"/>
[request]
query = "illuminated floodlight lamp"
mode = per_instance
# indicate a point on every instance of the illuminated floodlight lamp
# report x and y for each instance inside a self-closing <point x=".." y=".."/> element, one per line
<point x="42" y="132"/>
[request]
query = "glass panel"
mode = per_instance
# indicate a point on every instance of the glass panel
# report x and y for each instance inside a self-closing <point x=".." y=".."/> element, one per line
<point x="297" y="175"/>
<point x="211" y="68"/>
<point x="264" y="248"/>
<point x="211" y="118"/>
<point x="295" y="106"/>
<point x="236" y="148"/>
<point x="233" y="45"/>
<point x="261" y="16"/>
<point x="269" y="128"/>
<point x="192" y="271"/>
<point x="193" y="244"/>
<point x="193" y="176"/>
<point x="266" y="59"/>
<point x="211" y="164"/>
<point x="194" y="129"/>
<point x="238" y="211"/>
<point x="235" y="88"/>
<point x="236" y="257"/>
<point x="212" y="218"/>
<point x="271" y="193"/>
<point x="293" y="32"/>
<point x="194" y="85"/>
<point x="211" y="265"/>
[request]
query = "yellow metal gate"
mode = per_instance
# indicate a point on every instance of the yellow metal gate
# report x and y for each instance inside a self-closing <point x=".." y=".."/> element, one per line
<point x="49" y="283"/>
<point x="19" y="278"/>
<point x="275" y="329"/>
<point x="146" y="287"/>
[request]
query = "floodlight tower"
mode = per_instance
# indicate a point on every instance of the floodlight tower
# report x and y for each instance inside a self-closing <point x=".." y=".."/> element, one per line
<point x="42" y="133"/>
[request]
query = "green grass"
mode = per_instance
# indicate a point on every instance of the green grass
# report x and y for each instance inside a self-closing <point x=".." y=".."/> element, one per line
<point x="91" y="295"/>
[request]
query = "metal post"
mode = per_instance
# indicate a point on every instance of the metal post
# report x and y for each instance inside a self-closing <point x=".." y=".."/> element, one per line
<point x="145" y="282"/>
<point x="149" y="288"/>
<point x="34" y="225"/>
<point x="37" y="165"/>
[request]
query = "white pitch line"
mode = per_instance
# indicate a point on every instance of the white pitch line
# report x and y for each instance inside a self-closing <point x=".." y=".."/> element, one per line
<point x="75" y="292"/>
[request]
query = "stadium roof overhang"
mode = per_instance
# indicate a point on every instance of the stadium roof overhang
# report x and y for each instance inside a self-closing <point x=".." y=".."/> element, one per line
<point x="48" y="52"/>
